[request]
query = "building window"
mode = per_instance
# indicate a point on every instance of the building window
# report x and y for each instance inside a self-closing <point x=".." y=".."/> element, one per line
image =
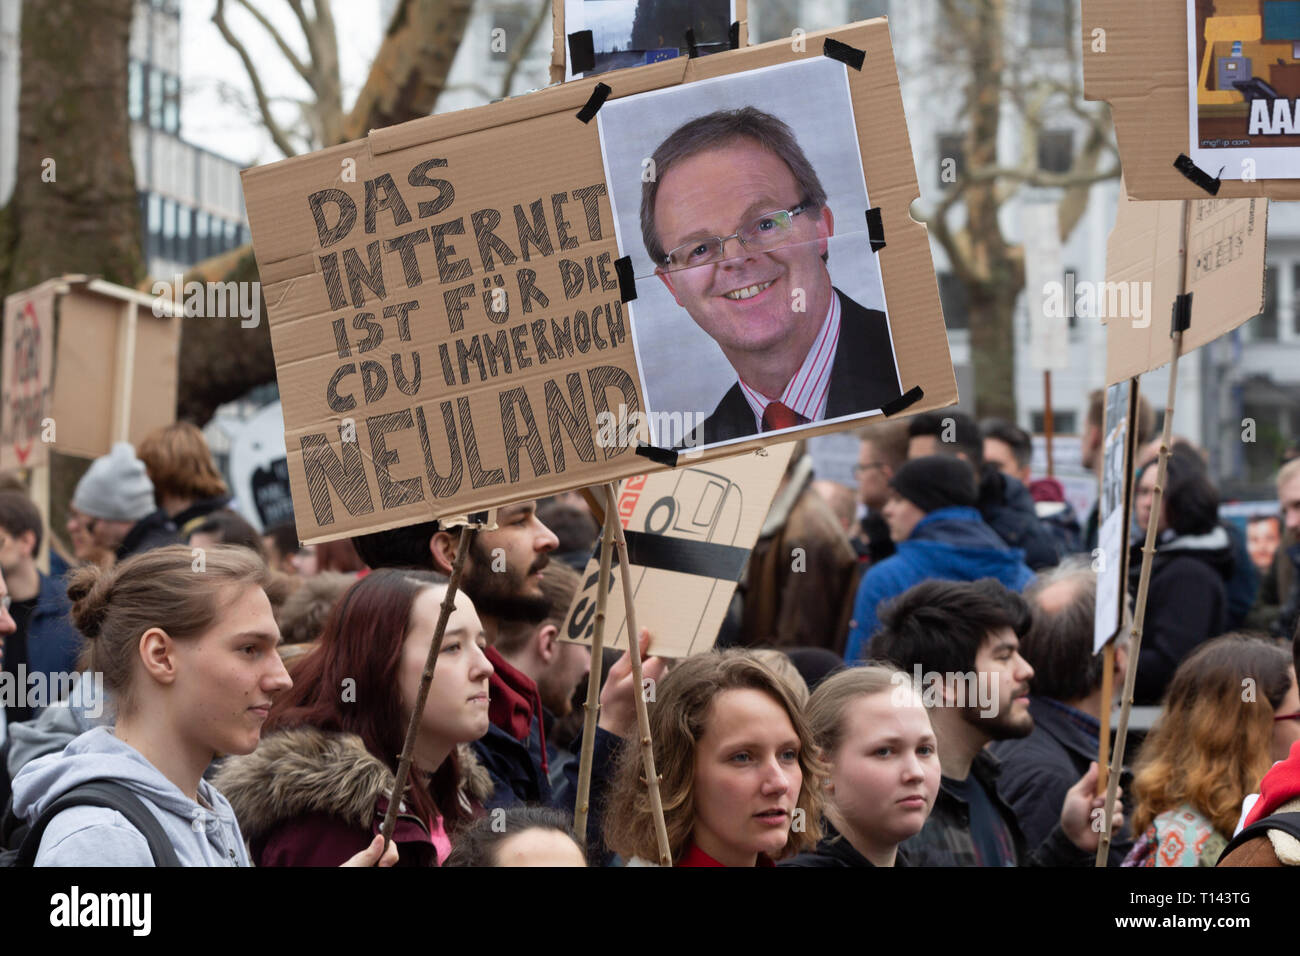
<point x="184" y="244"/>
<point x="171" y="113"/>
<point x="202" y="248"/>
<point x="1056" y="150"/>
<point x="952" y="159"/>
<point x="1071" y="281"/>
<point x="1295" y="299"/>
<point x="952" y="296"/>
<point x="1271" y="439"/>
<point x="1049" y="24"/>
<point x="135" y="90"/>
<point x="168" y="229"/>
<point x="867" y="9"/>
<point x="155" y="98"/>
<point x="1063" y="422"/>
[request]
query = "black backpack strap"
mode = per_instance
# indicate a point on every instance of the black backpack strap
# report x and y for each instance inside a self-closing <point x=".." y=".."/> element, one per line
<point x="114" y="796"/>
<point x="1288" y="823"/>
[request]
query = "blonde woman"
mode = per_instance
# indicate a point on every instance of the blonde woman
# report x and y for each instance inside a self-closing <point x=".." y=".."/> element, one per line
<point x="740" y="780"/>
<point x="875" y="733"/>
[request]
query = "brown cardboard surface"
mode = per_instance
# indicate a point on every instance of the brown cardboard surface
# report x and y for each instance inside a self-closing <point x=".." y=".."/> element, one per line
<point x="90" y="370"/>
<point x="1225" y="274"/>
<point x="28" y="363"/>
<point x="721" y="504"/>
<point x="1143" y="74"/>
<point x="532" y="152"/>
<point x="560" y="37"/>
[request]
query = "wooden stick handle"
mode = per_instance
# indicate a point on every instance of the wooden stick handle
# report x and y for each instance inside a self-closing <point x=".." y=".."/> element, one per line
<point x="467" y="535"/>
<point x="591" y="708"/>
<point x="642" y="713"/>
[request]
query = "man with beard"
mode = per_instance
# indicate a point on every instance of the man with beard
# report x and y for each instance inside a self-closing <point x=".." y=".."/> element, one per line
<point x="950" y="637"/>
<point x="504" y="577"/>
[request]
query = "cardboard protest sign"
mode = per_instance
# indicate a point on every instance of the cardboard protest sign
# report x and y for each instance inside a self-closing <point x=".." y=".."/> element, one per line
<point x="1225" y="240"/>
<point x="1214" y="81"/>
<point x="1113" y="511"/>
<point x="595" y="36"/>
<point x="689" y="533"/>
<point x="28" y="362"/>
<point x="448" y="298"/>
<point x="115" y="366"/>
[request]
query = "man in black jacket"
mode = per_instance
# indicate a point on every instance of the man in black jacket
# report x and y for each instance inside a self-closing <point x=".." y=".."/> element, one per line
<point x="960" y="642"/>
<point x="802" y="350"/>
<point x="1065" y="702"/>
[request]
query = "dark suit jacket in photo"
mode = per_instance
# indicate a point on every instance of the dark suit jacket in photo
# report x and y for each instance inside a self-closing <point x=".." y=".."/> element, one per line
<point x="863" y="377"/>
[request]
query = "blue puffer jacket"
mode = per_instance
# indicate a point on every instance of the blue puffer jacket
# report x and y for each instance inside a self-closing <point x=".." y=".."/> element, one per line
<point x="952" y="544"/>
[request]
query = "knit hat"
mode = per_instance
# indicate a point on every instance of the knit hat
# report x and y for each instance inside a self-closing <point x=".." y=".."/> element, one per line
<point x="116" y="487"/>
<point x="934" y="482"/>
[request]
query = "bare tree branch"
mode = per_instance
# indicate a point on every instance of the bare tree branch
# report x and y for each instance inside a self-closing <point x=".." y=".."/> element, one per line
<point x="540" y="15"/>
<point x="269" y="27"/>
<point x="276" y="132"/>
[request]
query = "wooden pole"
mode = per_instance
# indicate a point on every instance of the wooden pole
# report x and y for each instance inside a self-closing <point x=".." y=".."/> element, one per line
<point x="591" y="708"/>
<point x="1047" y="419"/>
<point x="1144" y="575"/>
<point x="467" y="534"/>
<point x="1107" y="694"/>
<point x="124" y="382"/>
<point x="642" y="714"/>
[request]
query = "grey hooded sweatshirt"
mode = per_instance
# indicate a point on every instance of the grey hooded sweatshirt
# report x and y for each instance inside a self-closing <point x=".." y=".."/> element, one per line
<point x="203" y="834"/>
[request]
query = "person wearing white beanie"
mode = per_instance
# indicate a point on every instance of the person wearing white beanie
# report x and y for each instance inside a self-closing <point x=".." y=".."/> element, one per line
<point x="113" y="509"/>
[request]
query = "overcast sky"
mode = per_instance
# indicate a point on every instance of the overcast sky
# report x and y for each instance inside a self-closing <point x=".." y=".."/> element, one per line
<point x="207" y="61"/>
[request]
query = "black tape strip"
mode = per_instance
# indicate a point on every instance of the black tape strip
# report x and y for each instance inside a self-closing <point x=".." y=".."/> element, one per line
<point x="478" y="517"/>
<point x="661" y="456"/>
<point x="1197" y="175"/>
<point x="582" y="52"/>
<point x="849" y="55"/>
<point x="906" y="400"/>
<point x="733" y="35"/>
<point x="598" y="97"/>
<point x="1182" y="320"/>
<point x="626" y="280"/>
<point x="691" y="49"/>
<point x="875" y="229"/>
<point x="709" y="560"/>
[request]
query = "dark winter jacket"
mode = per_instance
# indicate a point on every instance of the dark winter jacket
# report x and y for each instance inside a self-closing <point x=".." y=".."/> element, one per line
<point x="1243" y="585"/>
<point x="154" y="530"/>
<point x="1008" y="508"/>
<point x="306" y="797"/>
<point x="52" y="642"/>
<point x="946" y="840"/>
<point x="1187" y="604"/>
<point x="193" y="516"/>
<point x="1038" y="770"/>
<point x="952" y="544"/>
<point x="1285" y="625"/>
<point x="835" y="851"/>
<point x="512" y="752"/>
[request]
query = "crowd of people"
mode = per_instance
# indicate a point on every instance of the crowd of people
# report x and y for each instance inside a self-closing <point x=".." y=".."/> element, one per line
<point x="920" y="690"/>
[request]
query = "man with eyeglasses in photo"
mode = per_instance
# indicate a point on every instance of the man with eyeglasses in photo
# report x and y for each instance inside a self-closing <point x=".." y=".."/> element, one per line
<point x="738" y="226"/>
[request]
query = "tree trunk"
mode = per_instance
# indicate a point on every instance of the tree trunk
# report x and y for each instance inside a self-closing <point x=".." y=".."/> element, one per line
<point x="74" y="204"/>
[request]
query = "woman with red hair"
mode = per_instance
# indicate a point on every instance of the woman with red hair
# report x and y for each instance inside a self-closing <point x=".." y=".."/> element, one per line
<point x="316" y="789"/>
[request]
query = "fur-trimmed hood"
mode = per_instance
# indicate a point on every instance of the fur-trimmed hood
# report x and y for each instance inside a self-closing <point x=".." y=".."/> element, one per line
<point x="305" y="770"/>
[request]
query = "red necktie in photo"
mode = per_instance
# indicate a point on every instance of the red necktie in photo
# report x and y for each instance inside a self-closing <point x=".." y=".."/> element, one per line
<point x="778" y="415"/>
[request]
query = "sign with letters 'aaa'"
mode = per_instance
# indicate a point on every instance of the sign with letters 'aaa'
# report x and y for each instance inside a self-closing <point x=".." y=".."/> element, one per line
<point x="449" y="298"/>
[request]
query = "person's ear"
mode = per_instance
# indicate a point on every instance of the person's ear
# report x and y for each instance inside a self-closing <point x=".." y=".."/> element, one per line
<point x="547" y="642"/>
<point x="28" y="538"/>
<point x="666" y="278"/>
<point x="157" y="653"/>
<point x="442" y="549"/>
<point x="825" y="228"/>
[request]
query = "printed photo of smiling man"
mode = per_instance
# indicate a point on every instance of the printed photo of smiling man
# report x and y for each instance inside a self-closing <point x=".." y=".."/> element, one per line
<point x="741" y="234"/>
